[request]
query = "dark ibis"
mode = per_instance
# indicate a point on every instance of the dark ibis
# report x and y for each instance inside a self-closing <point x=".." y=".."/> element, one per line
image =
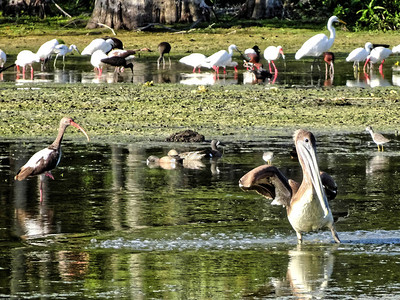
<point x="163" y="48"/>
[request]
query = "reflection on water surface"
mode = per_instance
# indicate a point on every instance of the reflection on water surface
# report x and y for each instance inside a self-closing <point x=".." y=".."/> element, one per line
<point x="110" y="226"/>
<point x="78" y="69"/>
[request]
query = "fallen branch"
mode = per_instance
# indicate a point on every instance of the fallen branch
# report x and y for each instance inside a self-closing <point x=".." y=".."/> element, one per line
<point x="63" y="11"/>
<point x="104" y="25"/>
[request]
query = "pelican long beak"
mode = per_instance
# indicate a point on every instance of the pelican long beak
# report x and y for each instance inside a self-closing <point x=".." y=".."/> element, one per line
<point x="80" y="128"/>
<point x="308" y="154"/>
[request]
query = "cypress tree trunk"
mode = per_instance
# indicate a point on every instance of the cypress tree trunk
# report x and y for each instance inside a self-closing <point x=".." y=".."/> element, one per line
<point x="262" y="9"/>
<point x="130" y="14"/>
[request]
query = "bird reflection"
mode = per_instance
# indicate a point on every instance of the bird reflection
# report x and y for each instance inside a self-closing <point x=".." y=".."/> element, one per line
<point x="204" y="78"/>
<point x="375" y="80"/>
<point x="377" y="163"/>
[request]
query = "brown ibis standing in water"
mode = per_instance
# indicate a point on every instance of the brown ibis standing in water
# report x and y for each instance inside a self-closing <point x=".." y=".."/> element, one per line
<point x="45" y="160"/>
<point x="329" y="59"/>
<point x="163" y="48"/>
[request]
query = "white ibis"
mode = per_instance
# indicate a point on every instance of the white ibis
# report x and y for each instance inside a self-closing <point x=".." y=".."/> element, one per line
<point x="26" y="58"/>
<point x="96" y="62"/>
<point x="120" y="60"/>
<point x="220" y="58"/>
<point x="396" y="49"/>
<point x="43" y="161"/>
<point x="272" y="53"/>
<point x="306" y="203"/>
<point x="319" y="43"/>
<point x="46" y="50"/>
<point x="3" y="58"/>
<point x="359" y="54"/>
<point x="378" y="138"/>
<point x="195" y="60"/>
<point x="378" y="54"/>
<point x="163" y="48"/>
<point x="63" y="50"/>
<point x="99" y="44"/>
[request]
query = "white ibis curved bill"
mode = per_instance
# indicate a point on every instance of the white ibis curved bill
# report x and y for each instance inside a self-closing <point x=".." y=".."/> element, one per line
<point x="378" y="54"/>
<point x="306" y="203"/>
<point x="220" y="59"/>
<point x="63" y="50"/>
<point x="45" y="160"/>
<point x="359" y="54"/>
<point x="163" y="48"/>
<point x="272" y="53"/>
<point x="378" y="138"/>
<point x="319" y="43"/>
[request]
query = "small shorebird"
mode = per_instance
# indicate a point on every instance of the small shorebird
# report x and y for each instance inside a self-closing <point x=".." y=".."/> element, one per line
<point x="267" y="157"/>
<point x="306" y="203"/>
<point x="378" y="138"/>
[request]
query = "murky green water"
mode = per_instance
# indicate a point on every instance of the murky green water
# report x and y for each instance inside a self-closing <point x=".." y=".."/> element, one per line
<point x="111" y="227"/>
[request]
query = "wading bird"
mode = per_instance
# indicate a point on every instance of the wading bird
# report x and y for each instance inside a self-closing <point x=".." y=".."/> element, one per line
<point x="378" y="54"/>
<point x="195" y="60"/>
<point x="378" y="138"/>
<point x="43" y="161"/>
<point x="329" y="59"/>
<point x="163" y="48"/>
<point x="63" y="50"/>
<point x="26" y="58"/>
<point x="221" y="58"/>
<point x="359" y="54"/>
<point x="267" y="157"/>
<point x="272" y="53"/>
<point x="3" y="58"/>
<point x="319" y="43"/>
<point x="121" y="61"/>
<point x="306" y="203"/>
<point x="46" y="50"/>
<point x="96" y="60"/>
<point x="106" y="45"/>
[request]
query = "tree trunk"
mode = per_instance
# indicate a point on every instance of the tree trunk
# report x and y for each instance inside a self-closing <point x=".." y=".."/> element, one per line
<point x="26" y="7"/>
<point x="130" y="14"/>
<point x="262" y="9"/>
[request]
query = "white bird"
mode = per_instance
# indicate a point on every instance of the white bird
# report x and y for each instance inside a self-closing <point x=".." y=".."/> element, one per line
<point x="3" y="58"/>
<point x="396" y="49"/>
<point x="98" y="44"/>
<point x="46" y="50"/>
<point x="63" y="50"/>
<point x="220" y="58"/>
<point x="319" y="43"/>
<point x="359" y="54"/>
<point x="195" y="60"/>
<point x="26" y="58"/>
<point x="96" y="62"/>
<point x="272" y="53"/>
<point x="378" y="54"/>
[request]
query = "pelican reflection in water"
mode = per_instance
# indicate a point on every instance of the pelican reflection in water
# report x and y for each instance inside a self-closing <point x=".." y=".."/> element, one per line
<point x="306" y="203"/>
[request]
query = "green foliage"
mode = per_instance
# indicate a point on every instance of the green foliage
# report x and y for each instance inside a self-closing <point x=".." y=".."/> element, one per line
<point x="380" y="14"/>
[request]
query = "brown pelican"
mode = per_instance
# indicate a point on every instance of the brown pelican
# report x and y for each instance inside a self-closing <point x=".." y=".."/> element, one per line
<point x="306" y="203"/>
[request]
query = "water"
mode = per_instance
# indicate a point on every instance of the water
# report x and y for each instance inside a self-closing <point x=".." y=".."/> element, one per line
<point x="77" y="69"/>
<point x="111" y="227"/>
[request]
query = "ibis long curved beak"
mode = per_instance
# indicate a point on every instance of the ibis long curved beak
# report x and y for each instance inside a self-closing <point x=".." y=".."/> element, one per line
<point x="308" y="155"/>
<point x="76" y="125"/>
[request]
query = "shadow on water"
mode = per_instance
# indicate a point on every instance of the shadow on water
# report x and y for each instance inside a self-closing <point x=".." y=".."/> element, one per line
<point x="291" y="73"/>
<point x="110" y="226"/>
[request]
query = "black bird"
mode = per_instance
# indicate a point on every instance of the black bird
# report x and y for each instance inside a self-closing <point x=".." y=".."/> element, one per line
<point x="163" y="48"/>
<point x="117" y="43"/>
<point x="5" y="68"/>
<point x="123" y="60"/>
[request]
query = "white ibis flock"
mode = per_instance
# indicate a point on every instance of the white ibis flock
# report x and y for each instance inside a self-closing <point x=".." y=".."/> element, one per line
<point x="45" y="160"/>
<point x="109" y="51"/>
